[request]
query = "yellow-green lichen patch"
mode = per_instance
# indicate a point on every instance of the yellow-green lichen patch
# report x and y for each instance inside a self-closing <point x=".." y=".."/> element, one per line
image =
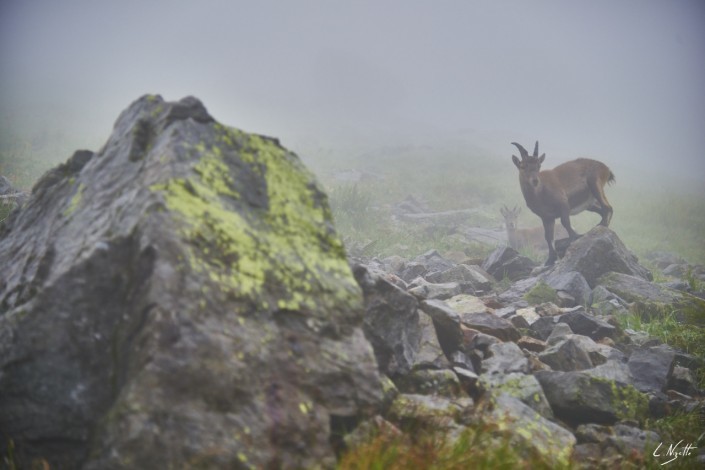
<point x="75" y="201"/>
<point x="214" y="172"/>
<point x="541" y="293"/>
<point x="531" y="433"/>
<point x="281" y="251"/>
<point x="630" y="403"/>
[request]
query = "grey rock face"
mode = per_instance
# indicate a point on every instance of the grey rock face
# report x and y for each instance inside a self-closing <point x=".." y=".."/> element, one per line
<point x="650" y="295"/>
<point x="566" y="355"/>
<point x="572" y="283"/>
<point x="175" y="298"/>
<point x="447" y="325"/>
<point x="391" y="322"/>
<point x="505" y="358"/>
<point x="491" y="325"/>
<point x="577" y="397"/>
<point x="587" y="325"/>
<point x="598" y="252"/>
<point x="422" y="289"/>
<point x="652" y="368"/>
<point x="473" y="279"/>
<point x="507" y="262"/>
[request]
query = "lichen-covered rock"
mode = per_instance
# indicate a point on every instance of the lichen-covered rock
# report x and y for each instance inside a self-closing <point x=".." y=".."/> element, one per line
<point x="530" y="430"/>
<point x="651" y="298"/>
<point x="603" y="444"/>
<point x="179" y="299"/>
<point x="430" y="412"/>
<point x="431" y="382"/>
<point x="578" y="397"/>
<point x="522" y="386"/>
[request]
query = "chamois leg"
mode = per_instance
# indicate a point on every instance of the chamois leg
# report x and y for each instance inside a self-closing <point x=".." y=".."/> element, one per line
<point x="548" y="227"/>
<point x="565" y="221"/>
<point x="598" y="192"/>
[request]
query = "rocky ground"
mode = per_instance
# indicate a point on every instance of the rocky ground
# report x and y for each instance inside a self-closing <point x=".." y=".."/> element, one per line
<point x="542" y="349"/>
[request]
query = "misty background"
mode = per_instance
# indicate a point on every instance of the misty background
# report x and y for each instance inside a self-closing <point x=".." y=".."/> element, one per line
<point x="622" y="82"/>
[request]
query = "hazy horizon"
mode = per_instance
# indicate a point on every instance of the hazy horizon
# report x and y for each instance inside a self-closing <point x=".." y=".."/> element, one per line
<point x="618" y="81"/>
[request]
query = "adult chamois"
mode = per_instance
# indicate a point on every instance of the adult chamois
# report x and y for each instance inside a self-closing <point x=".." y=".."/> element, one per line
<point x="568" y="189"/>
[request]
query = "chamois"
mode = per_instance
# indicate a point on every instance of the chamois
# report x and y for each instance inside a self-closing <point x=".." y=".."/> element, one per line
<point x="532" y="237"/>
<point x="566" y="190"/>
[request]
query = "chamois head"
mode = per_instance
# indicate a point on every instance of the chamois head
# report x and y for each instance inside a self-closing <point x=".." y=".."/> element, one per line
<point x="529" y="165"/>
<point x="510" y="216"/>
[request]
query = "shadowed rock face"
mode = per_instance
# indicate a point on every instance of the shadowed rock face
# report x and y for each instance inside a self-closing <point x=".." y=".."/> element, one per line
<point x="598" y="252"/>
<point x="179" y="298"/>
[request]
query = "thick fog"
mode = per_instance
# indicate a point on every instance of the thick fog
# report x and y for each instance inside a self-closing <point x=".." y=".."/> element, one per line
<point x="620" y="81"/>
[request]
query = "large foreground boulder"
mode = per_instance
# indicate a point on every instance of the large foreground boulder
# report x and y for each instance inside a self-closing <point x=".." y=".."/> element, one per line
<point x="179" y="299"/>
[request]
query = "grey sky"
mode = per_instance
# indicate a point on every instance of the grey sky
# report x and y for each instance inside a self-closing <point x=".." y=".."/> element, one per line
<point x="617" y="80"/>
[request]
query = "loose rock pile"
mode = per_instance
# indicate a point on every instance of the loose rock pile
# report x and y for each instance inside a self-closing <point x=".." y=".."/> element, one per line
<point x="542" y="349"/>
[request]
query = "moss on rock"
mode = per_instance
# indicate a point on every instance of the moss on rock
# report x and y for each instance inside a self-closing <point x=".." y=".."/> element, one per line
<point x="541" y="293"/>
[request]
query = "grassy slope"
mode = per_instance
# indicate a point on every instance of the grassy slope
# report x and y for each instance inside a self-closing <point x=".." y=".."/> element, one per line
<point x="647" y="217"/>
<point x="447" y="176"/>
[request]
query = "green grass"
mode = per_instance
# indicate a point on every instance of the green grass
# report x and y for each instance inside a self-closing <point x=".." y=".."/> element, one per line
<point x="689" y="337"/>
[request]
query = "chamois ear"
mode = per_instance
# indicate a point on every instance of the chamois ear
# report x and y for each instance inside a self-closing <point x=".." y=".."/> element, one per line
<point x="542" y="157"/>
<point x="503" y="210"/>
<point x="516" y="161"/>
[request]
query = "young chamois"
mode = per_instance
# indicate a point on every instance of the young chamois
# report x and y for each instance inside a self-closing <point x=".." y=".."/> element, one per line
<point x="568" y="189"/>
<point x="532" y="237"/>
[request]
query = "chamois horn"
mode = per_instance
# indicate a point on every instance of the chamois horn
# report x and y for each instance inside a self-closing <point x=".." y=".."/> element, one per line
<point x="536" y="149"/>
